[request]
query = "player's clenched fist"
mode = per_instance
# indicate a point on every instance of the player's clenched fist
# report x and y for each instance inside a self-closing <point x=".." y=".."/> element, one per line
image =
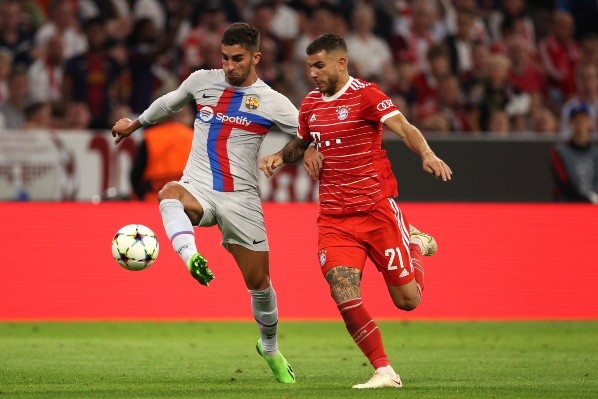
<point x="123" y="128"/>
<point x="268" y="163"/>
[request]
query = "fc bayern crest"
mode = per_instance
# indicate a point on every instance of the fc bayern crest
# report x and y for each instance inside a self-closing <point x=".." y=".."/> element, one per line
<point x="252" y="102"/>
<point x="342" y="113"/>
<point x="322" y="256"/>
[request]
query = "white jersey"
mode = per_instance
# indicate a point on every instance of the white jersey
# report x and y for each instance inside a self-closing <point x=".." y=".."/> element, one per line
<point x="230" y="124"/>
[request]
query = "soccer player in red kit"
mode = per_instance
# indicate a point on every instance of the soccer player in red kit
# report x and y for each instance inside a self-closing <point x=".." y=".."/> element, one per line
<point x="358" y="217"/>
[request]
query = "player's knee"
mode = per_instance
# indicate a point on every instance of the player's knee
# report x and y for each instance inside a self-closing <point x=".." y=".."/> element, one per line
<point x="169" y="191"/>
<point x="407" y="303"/>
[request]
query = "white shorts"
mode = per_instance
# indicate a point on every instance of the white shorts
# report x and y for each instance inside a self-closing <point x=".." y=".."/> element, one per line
<point x="238" y="214"/>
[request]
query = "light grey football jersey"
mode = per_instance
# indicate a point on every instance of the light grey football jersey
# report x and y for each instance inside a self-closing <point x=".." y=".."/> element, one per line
<point x="230" y="124"/>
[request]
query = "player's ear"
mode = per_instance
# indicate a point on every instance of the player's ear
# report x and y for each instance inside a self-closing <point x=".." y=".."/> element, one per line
<point x="256" y="58"/>
<point x="342" y="62"/>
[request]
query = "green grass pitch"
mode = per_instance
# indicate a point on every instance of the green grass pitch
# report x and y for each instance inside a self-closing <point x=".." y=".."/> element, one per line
<point x="218" y="360"/>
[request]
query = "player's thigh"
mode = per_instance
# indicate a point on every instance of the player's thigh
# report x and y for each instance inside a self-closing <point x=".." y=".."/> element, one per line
<point x="178" y="191"/>
<point x="241" y="220"/>
<point x="387" y="240"/>
<point x="338" y="246"/>
<point x="254" y="266"/>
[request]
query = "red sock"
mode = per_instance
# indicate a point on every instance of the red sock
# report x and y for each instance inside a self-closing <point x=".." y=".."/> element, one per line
<point x="418" y="269"/>
<point x="364" y="331"/>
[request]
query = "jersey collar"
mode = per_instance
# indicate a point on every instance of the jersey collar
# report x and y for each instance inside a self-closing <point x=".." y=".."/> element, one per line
<point x="340" y="92"/>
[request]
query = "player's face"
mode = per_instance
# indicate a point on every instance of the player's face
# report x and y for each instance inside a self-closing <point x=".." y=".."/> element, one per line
<point x="326" y="70"/>
<point x="238" y="64"/>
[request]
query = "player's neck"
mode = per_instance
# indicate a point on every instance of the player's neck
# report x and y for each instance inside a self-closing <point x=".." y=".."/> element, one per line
<point x="341" y="83"/>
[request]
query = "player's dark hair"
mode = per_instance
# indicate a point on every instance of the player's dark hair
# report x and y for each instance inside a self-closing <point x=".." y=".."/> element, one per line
<point x="243" y="34"/>
<point x="327" y="42"/>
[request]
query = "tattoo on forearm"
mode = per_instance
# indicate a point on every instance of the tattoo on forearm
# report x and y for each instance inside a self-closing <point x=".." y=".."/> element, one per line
<point x="344" y="283"/>
<point x="293" y="151"/>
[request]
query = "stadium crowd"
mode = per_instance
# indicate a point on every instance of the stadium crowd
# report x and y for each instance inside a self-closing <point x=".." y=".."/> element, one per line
<point x="468" y="66"/>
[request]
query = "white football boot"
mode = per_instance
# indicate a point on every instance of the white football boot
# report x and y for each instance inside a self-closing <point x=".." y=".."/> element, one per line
<point x="426" y="242"/>
<point x="380" y="380"/>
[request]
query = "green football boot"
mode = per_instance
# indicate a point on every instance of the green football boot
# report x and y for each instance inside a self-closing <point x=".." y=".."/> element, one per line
<point x="281" y="369"/>
<point x="197" y="266"/>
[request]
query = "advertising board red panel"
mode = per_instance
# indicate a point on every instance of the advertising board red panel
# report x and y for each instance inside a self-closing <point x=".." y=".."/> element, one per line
<point x="494" y="261"/>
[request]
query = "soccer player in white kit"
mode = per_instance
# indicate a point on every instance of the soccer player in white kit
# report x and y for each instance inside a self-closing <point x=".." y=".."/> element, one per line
<point x="219" y="186"/>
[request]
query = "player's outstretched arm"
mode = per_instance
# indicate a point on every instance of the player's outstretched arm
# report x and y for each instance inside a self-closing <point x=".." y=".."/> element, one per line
<point x="124" y="127"/>
<point x="416" y="142"/>
<point x="290" y="153"/>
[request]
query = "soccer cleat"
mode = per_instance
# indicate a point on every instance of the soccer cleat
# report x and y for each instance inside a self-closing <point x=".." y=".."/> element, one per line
<point x="281" y="369"/>
<point x="197" y="266"/>
<point x="380" y="380"/>
<point x="426" y="242"/>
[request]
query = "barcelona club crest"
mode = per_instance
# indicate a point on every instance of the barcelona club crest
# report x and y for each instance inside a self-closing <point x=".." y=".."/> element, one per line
<point x="252" y="102"/>
<point x="342" y="113"/>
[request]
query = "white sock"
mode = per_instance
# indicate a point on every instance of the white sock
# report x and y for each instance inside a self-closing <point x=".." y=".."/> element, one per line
<point x="265" y="311"/>
<point x="178" y="228"/>
<point x="388" y="370"/>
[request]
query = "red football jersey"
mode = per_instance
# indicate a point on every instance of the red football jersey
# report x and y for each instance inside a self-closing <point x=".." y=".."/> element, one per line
<point x="347" y="129"/>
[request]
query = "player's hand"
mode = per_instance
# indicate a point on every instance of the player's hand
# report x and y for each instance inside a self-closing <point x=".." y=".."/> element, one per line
<point x="121" y="129"/>
<point x="270" y="162"/>
<point x="313" y="162"/>
<point x="436" y="166"/>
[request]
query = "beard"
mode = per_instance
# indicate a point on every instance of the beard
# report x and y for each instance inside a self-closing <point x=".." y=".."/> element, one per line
<point x="238" y="79"/>
<point x="330" y="88"/>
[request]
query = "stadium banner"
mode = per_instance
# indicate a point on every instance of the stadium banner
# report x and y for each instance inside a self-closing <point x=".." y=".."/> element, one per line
<point x="494" y="261"/>
<point x="87" y="166"/>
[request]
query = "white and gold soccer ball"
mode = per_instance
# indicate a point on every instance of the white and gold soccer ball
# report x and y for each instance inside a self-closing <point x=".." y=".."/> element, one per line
<point x="135" y="247"/>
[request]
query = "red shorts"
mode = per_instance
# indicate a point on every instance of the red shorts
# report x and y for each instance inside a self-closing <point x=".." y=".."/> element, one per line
<point x="382" y="234"/>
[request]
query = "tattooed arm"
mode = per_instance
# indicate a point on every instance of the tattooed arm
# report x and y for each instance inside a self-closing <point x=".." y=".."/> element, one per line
<point x="290" y="153"/>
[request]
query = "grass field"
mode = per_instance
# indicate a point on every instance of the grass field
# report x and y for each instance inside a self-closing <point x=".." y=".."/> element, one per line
<point x="218" y="360"/>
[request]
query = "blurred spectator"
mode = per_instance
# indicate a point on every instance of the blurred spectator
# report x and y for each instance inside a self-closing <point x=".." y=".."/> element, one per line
<point x="543" y="121"/>
<point x="500" y="95"/>
<point x="403" y="82"/>
<point x="589" y="46"/>
<point x="587" y="93"/>
<point x="451" y="8"/>
<point x="38" y="115"/>
<point x="447" y="113"/>
<point x="499" y="123"/>
<point x="146" y="46"/>
<point x="277" y="75"/>
<point x="384" y="12"/>
<point x="285" y="22"/>
<point x="370" y="55"/>
<point x="5" y="68"/>
<point x="161" y="157"/>
<point x="116" y="15"/>
<point x="62" y="22"/>
<point x="513" y="13"/>
<point x="413" y="37"/>
<point x="208" y="26"/>
<point x="426" y="81"/>
<point x="12" y="35"/>
<point x="524" y="75"/>
<point x="473" y="82"/>
<point x="325" y="19"/>
<point x="460" y="44"/>
<point x="12" y="111"/>
<point x="585" y="13"/>
<point x="93" y="77"/>
<point x="77" y="116"/>
<point x="575" y="162"/>
<point x="45" y="74"/>
<point x="560" y="53"/>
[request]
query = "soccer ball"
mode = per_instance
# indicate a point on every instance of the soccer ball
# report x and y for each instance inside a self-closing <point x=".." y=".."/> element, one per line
<point x="135" y="247"/>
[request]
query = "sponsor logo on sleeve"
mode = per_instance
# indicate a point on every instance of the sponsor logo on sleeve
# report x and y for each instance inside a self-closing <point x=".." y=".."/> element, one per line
<point x="384" y="105"/>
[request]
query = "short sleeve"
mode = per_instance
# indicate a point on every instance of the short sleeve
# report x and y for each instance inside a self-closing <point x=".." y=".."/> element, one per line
<point x="375" y="105"/>
<point x="303" y="131"/>
<point x="285" y="115"/>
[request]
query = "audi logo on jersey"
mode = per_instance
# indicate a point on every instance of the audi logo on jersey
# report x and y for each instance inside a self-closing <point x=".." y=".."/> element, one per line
<point x="384" y="105"/>
<point x="207" y="113"/>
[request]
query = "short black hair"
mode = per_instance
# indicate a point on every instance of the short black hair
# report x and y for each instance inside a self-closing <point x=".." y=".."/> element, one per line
<point x="327" y="42"/>
<point x="243" y="34"/>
